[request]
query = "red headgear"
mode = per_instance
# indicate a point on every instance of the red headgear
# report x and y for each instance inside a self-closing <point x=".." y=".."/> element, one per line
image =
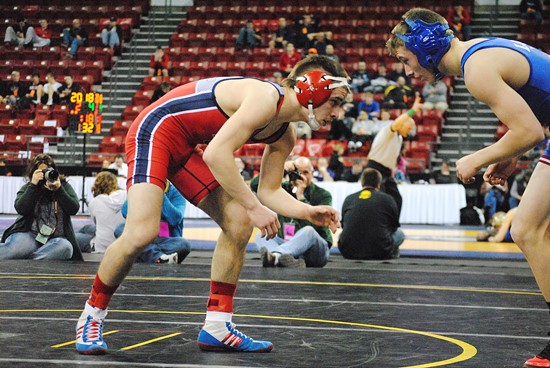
<point x="315" y="87"/>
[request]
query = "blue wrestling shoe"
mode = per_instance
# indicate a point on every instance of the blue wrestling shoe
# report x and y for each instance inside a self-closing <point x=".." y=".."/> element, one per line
<point x="89" y="332"/>
<point x="230" y="339"/>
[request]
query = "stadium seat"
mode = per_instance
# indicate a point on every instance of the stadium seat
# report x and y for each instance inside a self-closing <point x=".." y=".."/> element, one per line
<point x="9" y="126"/>
<point x="299" y="148"/>
<point x="131" y="112"/>
<point x="142" y="97"/>
<point x="6" y="111"/>
<point x="27" y="127"/>
<point x="427" y="132"/>
<point x="120" y="127"/>
<point x="47" y="126"/>
<point x="314" y="147"/>
<point x="112" y="144"/>
<point x="96" y="159"/>
<point x="15" y="142"/>
<point x="253" y="149"/>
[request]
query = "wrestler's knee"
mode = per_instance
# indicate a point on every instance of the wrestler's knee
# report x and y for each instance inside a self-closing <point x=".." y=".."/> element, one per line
<point x="137" y="238"/>
<point x="238" y="226"/>
<point x="524" y="233"/>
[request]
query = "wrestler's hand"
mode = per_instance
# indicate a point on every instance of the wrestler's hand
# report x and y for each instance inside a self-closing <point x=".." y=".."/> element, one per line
<point x="498" y="173"/>
<point x="324" y="216"/>
<point x="466" y="169"/>
<point x="265" y="220"/>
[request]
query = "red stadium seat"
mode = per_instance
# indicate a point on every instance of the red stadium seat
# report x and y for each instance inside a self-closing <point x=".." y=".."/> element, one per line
<point x="6" y="111"/>
<point x="253" y="149"/>
<point x="131" y="112"/>
<point x="27" y="127"/>
<point x="96" y="159"/>
<point x="112" y="144"/>
<point x="120" y="127"/>
<point x="15" y="142"/>
<point x="299" y="147"/>
<point x="9" y="126"/>
<point x="427" y="132"/>
<point x="47" y="126"/>
<point x="314" y="147"/>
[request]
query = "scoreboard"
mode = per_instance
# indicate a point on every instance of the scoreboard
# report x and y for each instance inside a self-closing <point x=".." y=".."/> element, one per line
<point x="85" y="111"/>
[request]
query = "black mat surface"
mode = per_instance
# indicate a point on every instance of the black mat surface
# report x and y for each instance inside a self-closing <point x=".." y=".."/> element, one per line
<point x="404" y="313"/>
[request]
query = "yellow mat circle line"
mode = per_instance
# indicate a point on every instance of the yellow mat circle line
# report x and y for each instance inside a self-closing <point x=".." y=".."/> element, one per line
<point x="468" y="350"/>
<point x="290" y="282"/>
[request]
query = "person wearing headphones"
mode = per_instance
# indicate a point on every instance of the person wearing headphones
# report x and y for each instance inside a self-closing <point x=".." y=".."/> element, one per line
<point x="226" y="113"/>
<point x="512" y="79"/>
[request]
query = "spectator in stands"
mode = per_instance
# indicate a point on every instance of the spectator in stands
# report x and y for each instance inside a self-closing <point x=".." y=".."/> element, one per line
<point x="16" y="35"/>
<point x="16" y="90"/>
<point x="435" y="96"/>
<point x="360" y="78"/>
<point x="74" y="37"/>
<point x="160" y="91"/>
<point x="288" y="59"/>
<point x="459" y="21"/>
<point x="277" y="77"/>
<point x="36" y="89"/>
<point x="380" y="80"/>
<point x="494" y="199"/>
<point x="245" y="172"/>
<point x="329" y="51"/>
<point x="321" y="172"/>
<point x="111" y="34"/>
<point x="43" y="228"/>
<point x="4" y="169"/>
<point x="158" y="62"/>
<point x="312" y="51"/>
<point x="248" y="38"/>
<point x="398" y="71"/>
<point x="51" y="90"/>
<point x="353" y="173"/>
<point x="369" y="105"/>
<point x="361" y="130"/>
<point x="443" y="175"/>
<point x="370" y="222"/>
<point x="382" y="121"/>
<point x="303" y="130"/>
<point x="305" y="25"/>
<point x="386" y="148"/>
<point x="298" y="243"/>
<point x="340" y="129"/>
<point x="400" y="171"/>
<point x="39" y="37"/>
<point x="168" y="247"/>
<point x="320" y="41"/>
<point x="518" y="187"/>
<point x="67" y="88"/>
<point x="283" y="35"/>
<point x="120" y="166"/>
<point x="350" y="107"/>
<point x="531" y="9"/>
<point x="335" y="164"/>
<point x="397" y="96"/>
<point x="105" y="212"/>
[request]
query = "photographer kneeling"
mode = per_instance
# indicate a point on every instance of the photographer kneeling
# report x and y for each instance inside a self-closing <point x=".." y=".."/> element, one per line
<point x="43" y="228"/>
<point x="299" y="243"/>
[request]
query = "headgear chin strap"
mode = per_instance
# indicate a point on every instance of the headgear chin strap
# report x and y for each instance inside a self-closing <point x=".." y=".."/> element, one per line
<point x="429" y="42"/>
<point x="314" y="89"/>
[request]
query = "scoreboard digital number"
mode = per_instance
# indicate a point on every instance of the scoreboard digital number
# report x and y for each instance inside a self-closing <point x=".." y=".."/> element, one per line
<point x="85" y="111"/>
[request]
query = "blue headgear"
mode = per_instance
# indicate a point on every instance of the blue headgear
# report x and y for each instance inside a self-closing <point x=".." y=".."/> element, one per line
<point x="429" y="42"/>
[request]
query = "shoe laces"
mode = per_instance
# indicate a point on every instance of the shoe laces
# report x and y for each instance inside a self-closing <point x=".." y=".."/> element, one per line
<point x="232" y="328"/>
<point x="93" y="330"/>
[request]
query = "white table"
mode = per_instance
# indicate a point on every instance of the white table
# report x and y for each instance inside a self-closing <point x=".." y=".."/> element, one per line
<point x="422" y="204"/>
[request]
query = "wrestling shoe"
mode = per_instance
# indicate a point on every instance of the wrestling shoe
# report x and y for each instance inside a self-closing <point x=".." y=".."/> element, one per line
<point x="287" y="260"/>
<point x="227" y="338"/>
<point x="541" y="360"/>
<point x="89" y="331"/>
<point x="268" y="259"/>
<point x="168" y="258"/>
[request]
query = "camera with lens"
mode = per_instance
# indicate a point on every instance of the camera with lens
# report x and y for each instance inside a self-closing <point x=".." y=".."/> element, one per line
<point x="294" y="175"/>
<point x="50" y="174"/>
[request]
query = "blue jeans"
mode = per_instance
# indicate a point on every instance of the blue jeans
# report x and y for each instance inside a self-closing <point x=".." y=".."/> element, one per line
<point x="161" y="245"/>
<point x="110" y="38"/>
<point x="84" y="236"/>
<point x="306" y="244"/>
<point x="74" y="43"/>
<point x="25" y="246"/>
<point x="493" y="200"/>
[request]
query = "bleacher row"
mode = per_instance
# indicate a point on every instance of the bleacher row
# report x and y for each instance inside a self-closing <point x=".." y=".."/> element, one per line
<point x="30" y="129"/>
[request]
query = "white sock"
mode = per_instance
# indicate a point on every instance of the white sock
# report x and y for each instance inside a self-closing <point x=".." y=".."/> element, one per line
<point x="96" y="313"/>
<point x="277" y="255"/>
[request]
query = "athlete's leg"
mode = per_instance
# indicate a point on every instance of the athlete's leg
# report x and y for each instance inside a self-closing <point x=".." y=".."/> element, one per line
<point x="530" y="231"/>
<point x="142" y="226"/>
<point x="218" y="333"/>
